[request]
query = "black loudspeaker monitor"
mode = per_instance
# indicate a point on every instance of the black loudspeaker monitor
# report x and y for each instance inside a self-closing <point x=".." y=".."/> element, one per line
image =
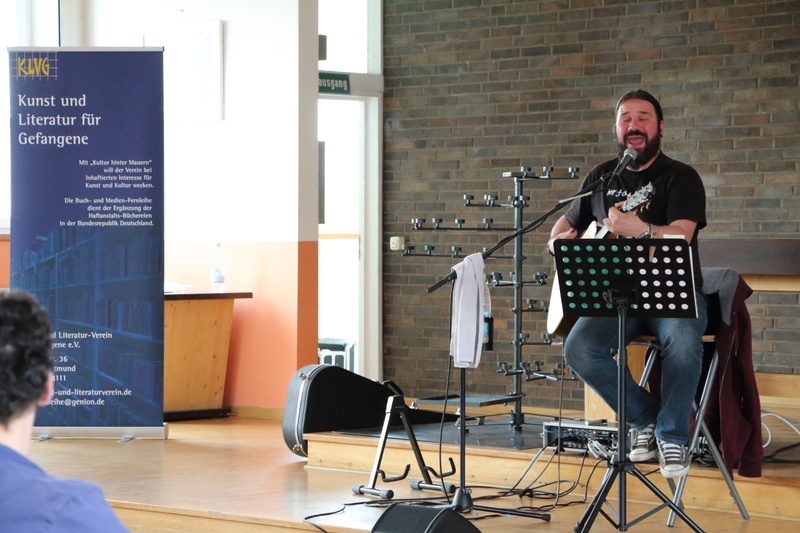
<point x="400" y="518"/>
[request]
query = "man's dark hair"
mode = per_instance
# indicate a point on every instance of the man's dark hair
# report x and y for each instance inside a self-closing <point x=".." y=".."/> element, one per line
<point x="640" y="94"/>
<point x="25" y="356"/>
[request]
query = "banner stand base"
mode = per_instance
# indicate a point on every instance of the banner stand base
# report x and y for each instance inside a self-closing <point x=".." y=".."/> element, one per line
<point x="196" y="414"/>
<point x="90" y="432"/>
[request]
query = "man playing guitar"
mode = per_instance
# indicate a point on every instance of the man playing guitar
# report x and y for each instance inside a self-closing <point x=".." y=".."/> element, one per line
<point x="677" y="208"/>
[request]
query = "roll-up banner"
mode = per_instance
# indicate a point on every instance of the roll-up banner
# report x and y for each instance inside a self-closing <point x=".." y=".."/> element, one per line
<point x="87" y="230"/>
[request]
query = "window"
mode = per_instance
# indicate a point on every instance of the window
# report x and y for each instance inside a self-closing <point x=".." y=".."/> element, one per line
<point x="21" y="24"/>
<point x="345" y="23"/>
<point x="8" y="37"/>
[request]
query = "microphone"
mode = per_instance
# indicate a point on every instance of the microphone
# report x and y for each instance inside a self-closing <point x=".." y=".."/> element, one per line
<point x="627" y="156"/>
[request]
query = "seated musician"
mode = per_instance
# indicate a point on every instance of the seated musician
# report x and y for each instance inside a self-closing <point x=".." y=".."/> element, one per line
<point x="660" y="426"/>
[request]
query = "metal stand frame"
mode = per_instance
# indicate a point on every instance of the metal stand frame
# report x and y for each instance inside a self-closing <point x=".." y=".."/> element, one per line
<point x="396" y="404"/>
<point x="462" y="500"/>
<point x="694" y="438"/>
<point x="518" y="370"/>
<point x="619" y="466"/>
<point x="584" y="269"/>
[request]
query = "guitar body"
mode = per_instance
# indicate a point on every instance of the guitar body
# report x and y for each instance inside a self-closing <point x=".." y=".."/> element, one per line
<point x="557" y="323"/>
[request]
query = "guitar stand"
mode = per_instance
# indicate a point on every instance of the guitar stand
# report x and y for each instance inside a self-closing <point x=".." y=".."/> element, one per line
<point x="397" y="404"/>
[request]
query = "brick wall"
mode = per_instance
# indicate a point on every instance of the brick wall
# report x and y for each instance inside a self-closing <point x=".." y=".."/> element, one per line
<point x="475" y="88"/>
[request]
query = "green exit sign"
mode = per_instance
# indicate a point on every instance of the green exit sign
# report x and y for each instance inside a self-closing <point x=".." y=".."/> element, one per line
<point x="334" y="83"/>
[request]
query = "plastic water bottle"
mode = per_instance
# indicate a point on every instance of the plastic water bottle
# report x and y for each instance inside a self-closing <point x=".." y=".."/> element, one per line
<point x="217" y="270"/>
<point x="488" y="321"/>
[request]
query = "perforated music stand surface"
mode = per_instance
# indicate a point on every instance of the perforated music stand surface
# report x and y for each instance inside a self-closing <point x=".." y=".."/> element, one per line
<point x="656" y="275"/>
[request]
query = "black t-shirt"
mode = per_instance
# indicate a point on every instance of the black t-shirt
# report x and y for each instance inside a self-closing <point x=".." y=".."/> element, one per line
<point x="678" y="194"/>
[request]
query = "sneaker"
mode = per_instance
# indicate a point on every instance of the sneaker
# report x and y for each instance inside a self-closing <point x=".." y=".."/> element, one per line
<point x="643" y="444"/>
<point x="673" y="459"/>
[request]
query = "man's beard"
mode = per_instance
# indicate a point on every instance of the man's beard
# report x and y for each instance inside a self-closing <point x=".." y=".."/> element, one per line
<point x="650" y="150"/>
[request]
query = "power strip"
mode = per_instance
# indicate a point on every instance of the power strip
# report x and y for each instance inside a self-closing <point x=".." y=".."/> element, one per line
<point x="576" y="434"/>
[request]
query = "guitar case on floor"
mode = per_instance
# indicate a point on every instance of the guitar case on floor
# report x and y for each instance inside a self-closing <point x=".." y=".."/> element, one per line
<point x="331" y="398"/>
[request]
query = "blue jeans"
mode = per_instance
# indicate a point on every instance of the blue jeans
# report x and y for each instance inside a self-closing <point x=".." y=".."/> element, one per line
<point x="588" y="351"/>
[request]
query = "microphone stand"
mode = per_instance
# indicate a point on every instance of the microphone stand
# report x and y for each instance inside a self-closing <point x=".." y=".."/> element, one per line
<point x="462" y="499"/>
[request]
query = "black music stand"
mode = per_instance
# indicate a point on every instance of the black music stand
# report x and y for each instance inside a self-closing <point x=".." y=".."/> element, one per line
<point x="625" y="277"/>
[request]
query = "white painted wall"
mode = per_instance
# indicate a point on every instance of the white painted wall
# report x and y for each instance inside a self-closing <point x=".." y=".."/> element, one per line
<point x="252" y="176"/>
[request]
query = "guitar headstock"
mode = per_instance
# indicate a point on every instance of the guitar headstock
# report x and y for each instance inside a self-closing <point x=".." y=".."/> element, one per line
<point x="639" y="198"/>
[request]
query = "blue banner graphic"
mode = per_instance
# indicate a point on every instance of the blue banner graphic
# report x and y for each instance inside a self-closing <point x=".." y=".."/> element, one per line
<point x="87" y="225"/>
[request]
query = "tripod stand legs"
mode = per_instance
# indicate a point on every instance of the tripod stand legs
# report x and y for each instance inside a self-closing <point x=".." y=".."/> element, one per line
<point x="616" y="470"/>
<point x="620" y="465"/>
<point x="462" y="500"/>
<point x="586" y="521"/>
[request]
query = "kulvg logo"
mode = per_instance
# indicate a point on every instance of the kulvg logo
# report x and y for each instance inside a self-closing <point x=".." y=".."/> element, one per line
<point x="35" y="65"/>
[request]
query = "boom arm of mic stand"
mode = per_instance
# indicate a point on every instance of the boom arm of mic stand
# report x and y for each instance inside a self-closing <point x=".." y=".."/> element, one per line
<point x="536" y="223"/>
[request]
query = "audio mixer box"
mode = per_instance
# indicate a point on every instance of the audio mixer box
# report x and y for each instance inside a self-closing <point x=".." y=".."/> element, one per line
<point x="576" y="434"/>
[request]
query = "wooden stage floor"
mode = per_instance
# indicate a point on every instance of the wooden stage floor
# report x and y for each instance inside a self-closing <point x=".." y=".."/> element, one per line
<point x="237" y="475"/>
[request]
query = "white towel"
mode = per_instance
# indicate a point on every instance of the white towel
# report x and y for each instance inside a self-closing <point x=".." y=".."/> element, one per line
<point x="466" y="333"/>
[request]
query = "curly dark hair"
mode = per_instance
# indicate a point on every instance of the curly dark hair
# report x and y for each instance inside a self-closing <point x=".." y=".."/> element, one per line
<point x="25" y="352"/>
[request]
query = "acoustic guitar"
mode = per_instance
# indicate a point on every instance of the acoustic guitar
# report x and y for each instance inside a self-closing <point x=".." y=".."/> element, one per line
<point x="557" y="323"/>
